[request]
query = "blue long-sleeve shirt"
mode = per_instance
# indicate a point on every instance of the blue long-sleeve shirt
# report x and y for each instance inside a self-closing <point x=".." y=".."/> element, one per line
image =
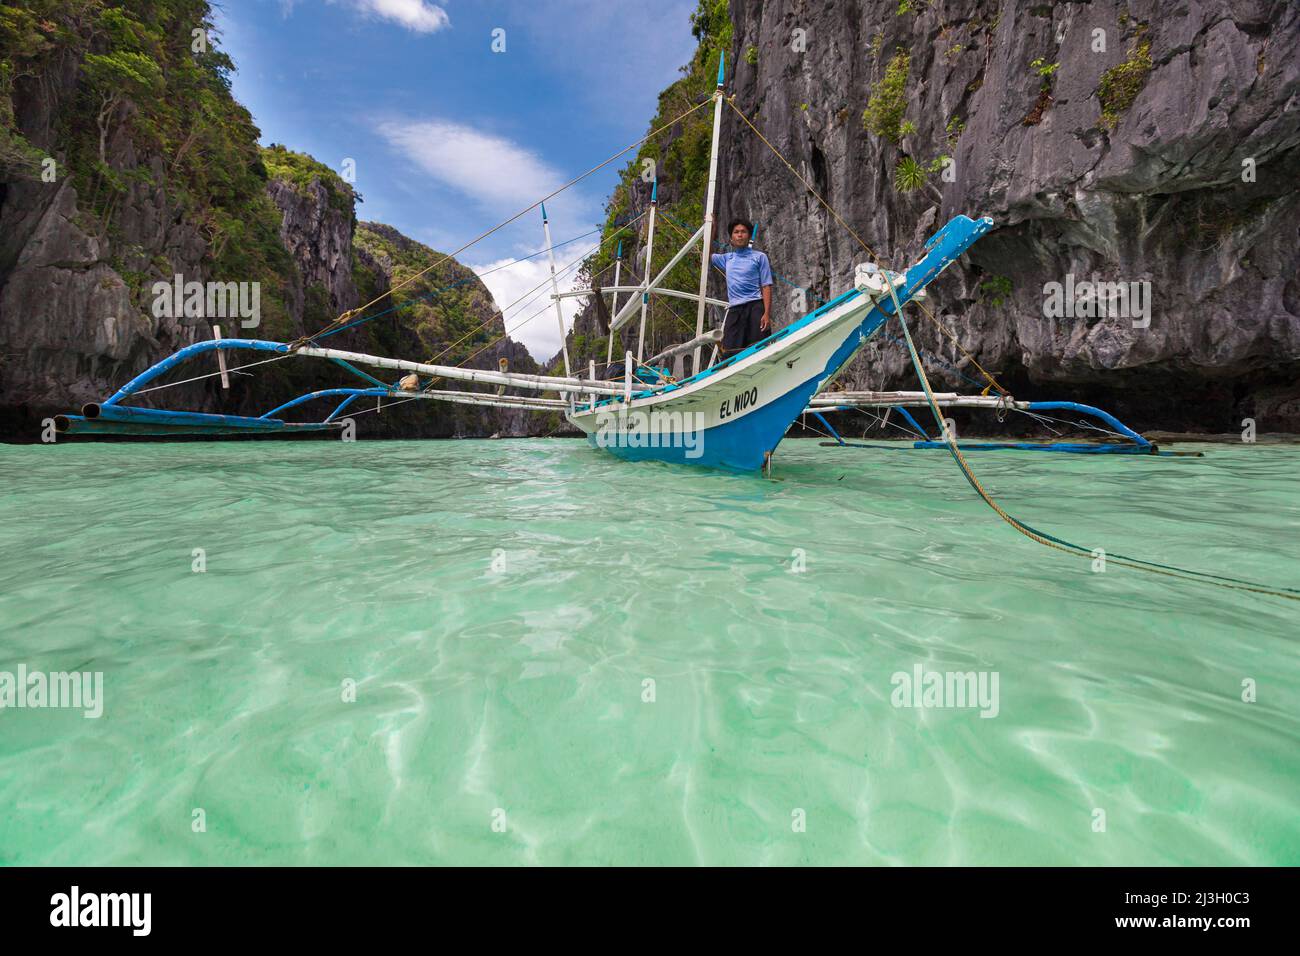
<point x="747" y="272"/>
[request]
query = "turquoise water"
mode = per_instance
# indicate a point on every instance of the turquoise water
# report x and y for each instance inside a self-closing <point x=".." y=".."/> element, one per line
<point x="501" y="606"/>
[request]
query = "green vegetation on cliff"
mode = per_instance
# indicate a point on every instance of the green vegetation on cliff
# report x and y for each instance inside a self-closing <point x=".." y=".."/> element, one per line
<point x="682" y="168"/>
<point x="133" y="101"/>
<point x="1121" y="84"/>
<point x="301" y="170"/>
<point x="150" y="69"/>
<point x="888" y="101"/>
<point x="442" y="307"/>
<point x="25" y="39"/>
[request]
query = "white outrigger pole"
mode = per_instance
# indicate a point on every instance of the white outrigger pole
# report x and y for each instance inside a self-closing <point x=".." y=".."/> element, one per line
<point x="707" y="244"/>
<point x="555" y="293"/>
<point x="649" y="285"/>
<point x="618" y="269"/>
<point x="539" y="383"/>
<point x="649" y="257"/>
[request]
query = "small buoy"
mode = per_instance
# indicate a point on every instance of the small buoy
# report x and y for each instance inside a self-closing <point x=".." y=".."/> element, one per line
<point x="409" y="383"/>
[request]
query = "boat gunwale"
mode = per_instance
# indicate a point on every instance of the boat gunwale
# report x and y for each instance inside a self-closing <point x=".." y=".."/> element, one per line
<point x="794" y="334"/>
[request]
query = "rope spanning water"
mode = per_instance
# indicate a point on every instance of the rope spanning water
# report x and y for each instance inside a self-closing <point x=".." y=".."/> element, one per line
<point x="1051" y="541"/>
<point x="1042" y="537"/>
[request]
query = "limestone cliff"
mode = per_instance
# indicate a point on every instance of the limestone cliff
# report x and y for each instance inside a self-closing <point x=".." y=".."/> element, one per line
<point x="124" y="162"/>
<point x="1142" y="142"/>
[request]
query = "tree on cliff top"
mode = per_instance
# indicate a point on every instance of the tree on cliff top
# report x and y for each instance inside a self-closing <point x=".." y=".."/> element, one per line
<point x="116" y="77"/>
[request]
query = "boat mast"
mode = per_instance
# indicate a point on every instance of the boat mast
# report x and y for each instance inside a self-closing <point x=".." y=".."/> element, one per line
<point x="555" y="290"/>
<point x="649" y="254"/>
<point x="613" y="309"/>
<point x="707" y="243"/>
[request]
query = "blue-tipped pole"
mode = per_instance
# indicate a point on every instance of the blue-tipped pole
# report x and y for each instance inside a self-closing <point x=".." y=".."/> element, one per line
<point x="619" y="254"/>
<point x="654" y="190"/>
<point x="543" y="212"/>
<point x="722" y="65"/>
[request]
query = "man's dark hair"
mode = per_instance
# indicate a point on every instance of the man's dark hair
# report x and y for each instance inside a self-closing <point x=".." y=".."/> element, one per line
<point x="749" y="226"/>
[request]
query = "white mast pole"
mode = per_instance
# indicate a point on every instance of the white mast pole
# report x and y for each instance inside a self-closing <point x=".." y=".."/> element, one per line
<point x="618" y="269"/>
<point x="649" y="253"/>
<point x="555" y="289"/>
<point x="707" y="241"/>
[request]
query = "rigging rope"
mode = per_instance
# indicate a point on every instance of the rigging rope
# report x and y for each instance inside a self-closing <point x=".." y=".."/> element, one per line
<point x="397" y="308"/>
<point x="1051" y="541"/>
<point x="530" y="295"/>
<point x="534" y="289"/>
<point x="448" y="288"/>
<point x="346" y="316"/>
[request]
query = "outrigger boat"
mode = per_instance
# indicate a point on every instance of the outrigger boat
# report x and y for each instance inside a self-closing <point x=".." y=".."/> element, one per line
<point x="734" y="413"/>
<point x="729" y="414"/>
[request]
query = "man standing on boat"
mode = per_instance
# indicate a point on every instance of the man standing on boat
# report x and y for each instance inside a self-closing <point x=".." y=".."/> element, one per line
<point x="749" y="291"/>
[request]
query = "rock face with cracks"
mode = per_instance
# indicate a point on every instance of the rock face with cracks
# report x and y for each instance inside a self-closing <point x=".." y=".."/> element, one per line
<point x="133" y="202"/>
<point x="1152" y="144"/>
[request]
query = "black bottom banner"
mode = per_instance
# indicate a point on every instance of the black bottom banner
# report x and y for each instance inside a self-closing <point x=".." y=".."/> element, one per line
<point x="334" y="906"/>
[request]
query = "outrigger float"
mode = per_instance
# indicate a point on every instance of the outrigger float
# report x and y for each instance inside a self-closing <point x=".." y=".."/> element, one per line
<point x="729" y="414"/>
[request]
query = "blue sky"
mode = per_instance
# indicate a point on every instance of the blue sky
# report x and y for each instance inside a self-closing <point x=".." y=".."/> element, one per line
<point x="449" y="137"/>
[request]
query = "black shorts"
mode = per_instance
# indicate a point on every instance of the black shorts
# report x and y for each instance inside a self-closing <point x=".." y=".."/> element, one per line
<point x="740" y="328"/>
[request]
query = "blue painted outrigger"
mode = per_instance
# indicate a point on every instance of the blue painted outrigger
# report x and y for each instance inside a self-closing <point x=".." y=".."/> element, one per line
<point x="110" y="417"/>
<point x="730" y="415"/>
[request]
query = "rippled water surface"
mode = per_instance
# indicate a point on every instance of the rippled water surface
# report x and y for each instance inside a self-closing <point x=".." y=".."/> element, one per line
<point x="559" y="657"/>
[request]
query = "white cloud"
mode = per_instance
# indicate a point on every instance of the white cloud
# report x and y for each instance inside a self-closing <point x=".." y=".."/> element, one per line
<point x="416" y="15"/>
<point x="497" y="174"/>
<point x="413" y="14"/>
<point x="491" y="169"/>
<point x="541" y="335"/>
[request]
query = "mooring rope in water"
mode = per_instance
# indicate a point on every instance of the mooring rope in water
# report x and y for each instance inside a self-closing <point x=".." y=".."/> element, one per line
<point x="1051" y="541"/>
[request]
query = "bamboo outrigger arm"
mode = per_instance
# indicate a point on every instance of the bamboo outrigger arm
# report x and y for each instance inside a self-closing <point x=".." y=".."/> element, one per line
<point x="676" y="293"/>
<point x="625" y="314"/>
<point x="711" y="338"/>
<point x="541" y="383"/>
<point x="912" y="399"/>
<point x="112" y="416"/>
